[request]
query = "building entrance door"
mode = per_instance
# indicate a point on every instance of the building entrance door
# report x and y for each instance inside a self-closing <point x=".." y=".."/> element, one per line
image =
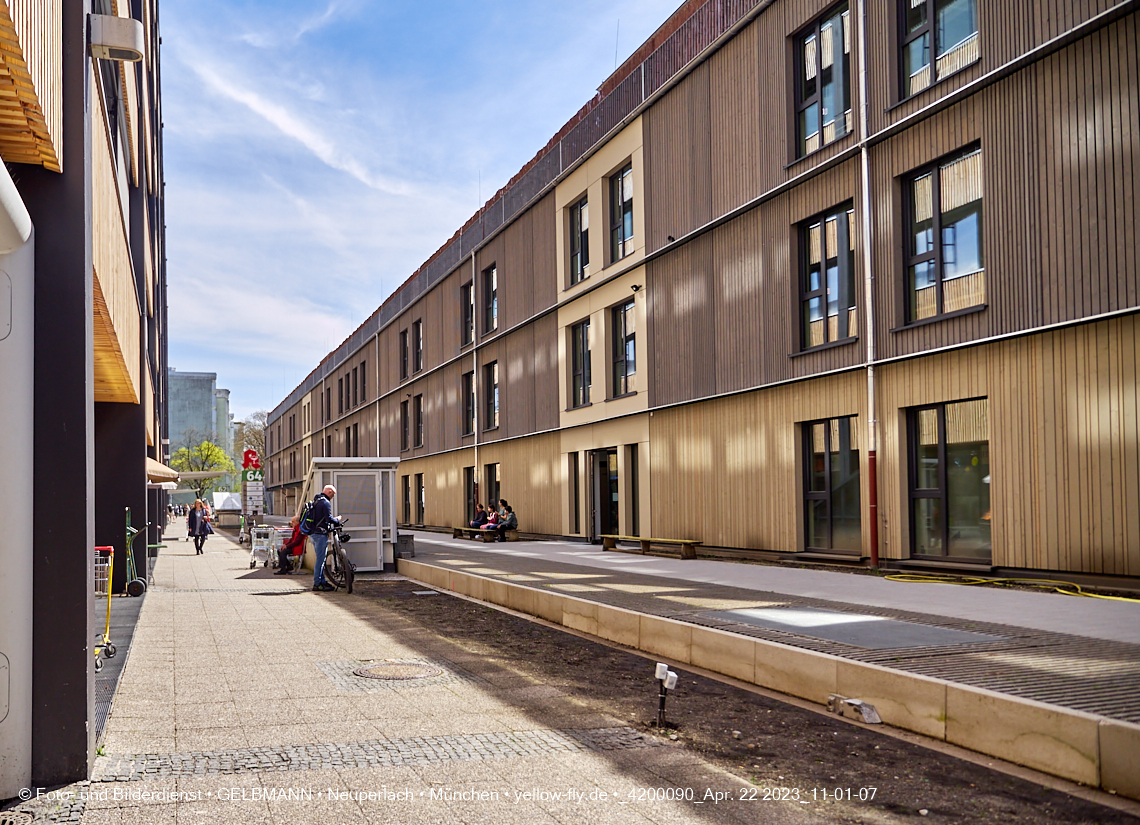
<point x="604" y="468"/>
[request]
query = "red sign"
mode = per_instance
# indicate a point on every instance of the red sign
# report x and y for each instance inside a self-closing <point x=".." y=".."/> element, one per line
<point x="250" y="461"/>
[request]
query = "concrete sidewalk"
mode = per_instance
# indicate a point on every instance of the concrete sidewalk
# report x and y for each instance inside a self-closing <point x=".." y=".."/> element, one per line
<point x="238" y="704"/>
<point x="1044" y="680"/>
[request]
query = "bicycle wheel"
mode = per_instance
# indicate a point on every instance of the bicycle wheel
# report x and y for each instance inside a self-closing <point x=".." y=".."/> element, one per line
<point x="334" y="565"/>
<point x="349" y="570"/>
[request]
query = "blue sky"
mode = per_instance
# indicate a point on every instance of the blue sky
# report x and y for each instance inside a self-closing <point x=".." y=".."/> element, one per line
<point x="317" y="153"/>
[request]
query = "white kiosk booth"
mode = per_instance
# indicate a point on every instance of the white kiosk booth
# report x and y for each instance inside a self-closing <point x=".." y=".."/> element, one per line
<point x="366" y="496"/>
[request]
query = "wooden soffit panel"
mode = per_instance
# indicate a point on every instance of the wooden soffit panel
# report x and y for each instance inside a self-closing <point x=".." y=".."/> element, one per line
<point x="31" y="86"/>
<point x="113" y="381"/>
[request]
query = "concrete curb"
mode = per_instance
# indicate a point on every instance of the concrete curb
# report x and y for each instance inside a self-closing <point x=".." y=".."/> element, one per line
<point x="1081" y="747"/>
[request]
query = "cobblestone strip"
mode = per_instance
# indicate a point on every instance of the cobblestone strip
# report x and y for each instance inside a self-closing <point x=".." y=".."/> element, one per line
<point x="420" y="750"/>
<point x="61" y="805"/>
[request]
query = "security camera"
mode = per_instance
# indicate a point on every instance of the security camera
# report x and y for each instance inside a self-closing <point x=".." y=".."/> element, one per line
<point x="116" y="38"/>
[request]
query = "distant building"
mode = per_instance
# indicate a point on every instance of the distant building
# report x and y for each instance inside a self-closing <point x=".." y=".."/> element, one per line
<point x="199" y="411"/>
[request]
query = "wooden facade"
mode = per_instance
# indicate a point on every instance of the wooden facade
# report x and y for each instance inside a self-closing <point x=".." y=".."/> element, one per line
<point x="711" y="441"/>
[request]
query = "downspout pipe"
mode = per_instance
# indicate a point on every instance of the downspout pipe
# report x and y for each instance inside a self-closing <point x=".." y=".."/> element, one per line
<point x="869" y="283"/>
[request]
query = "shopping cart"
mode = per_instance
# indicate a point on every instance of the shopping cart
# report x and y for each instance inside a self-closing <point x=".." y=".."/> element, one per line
<point x="263" y="545"/>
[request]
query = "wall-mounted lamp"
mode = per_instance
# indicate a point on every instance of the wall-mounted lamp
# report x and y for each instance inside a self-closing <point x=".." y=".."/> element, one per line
<point x="671" y="238"/>
<point x="116" y="38"/>
<point x="635" y="287"/>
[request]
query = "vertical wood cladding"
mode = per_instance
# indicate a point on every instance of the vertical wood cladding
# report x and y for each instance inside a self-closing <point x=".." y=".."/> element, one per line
<point x="1060" y="240"/>
<point x="724" y="310"/>
<point x="1064" y="451"/>
<point x="738" y="455"/>
<point x="1006" y="30"/>
<point x="530" y="478"/>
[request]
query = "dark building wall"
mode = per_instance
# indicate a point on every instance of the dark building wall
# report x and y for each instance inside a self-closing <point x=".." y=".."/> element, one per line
<point x="63" y="675"/>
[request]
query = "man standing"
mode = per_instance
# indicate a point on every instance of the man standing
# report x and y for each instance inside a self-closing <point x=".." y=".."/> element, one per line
<point x="318" y="526"/>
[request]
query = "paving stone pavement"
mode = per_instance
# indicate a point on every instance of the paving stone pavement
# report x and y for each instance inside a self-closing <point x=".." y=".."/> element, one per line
<point x="235" y="707"/>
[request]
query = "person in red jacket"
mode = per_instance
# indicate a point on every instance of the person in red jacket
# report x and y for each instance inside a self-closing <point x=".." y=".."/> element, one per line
<point x="295" y="546"/>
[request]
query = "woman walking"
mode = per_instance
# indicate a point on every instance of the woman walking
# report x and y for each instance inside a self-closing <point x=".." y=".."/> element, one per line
<point x="198" y="524"/>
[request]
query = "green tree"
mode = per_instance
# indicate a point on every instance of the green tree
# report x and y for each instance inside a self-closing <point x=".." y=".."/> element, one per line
<point x="206" y="457"/>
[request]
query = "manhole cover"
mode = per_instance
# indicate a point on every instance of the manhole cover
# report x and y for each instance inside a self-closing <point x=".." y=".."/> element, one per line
<point x="397" y="671"/>
<point x="15" y="818"/>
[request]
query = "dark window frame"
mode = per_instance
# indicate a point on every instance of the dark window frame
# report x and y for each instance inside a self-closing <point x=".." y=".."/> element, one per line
<point x="942" y="492"/>
<point x="580" y="364"/>
<point x="930" y="29"/>
<point x="403" y="354"/>
<point x="840" y="72"/>
<point x="417" y="345"/>
<point x="418" y="420"/>
<point x="622" y="337"/>
<point x="469" y="403"/>
<point x="845" y="278"/>
<point x="935" y="253"/>
<point x="421" y="502"/>
<point x="827" y="494"/>
<point x="405" y="426"/>
<point x="467" y="308"/>
<point x="363" y="382"/>
<point x="340" y="396"/>
<point x="579" y="241"/>
<point x="407" y="496"/>
<point x="619" y="208"/>
<point x="490" y="299"/>
<point x="491" y="395"/>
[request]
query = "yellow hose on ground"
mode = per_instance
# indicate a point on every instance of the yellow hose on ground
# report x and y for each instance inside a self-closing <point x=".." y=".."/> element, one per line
<point x="1064" y="588"/>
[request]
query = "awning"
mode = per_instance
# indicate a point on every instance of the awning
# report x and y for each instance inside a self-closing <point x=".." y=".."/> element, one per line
<point x="157" y="471"/>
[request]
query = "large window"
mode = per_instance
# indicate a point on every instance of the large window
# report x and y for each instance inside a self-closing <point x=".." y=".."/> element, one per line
<point x="363" y="381"/>
<point x="827" y="288"/>
<point x="419" y="498"/>
<point x="950" y="480"/>
<point x="624" y="349"/>
<point x="948" y="28"/>
<point x="418" y="420"/>
<point x="467" y="305"/>
<point x="621" y="213"/>
<point x="491" y="484"/>
<point x="944" y="238"/>
<point x="574" y="488"/>
<point x="468" y="403"/>
<point x="490" y="299"/>
<point x="404" y="425"/>
<point x="579" y="241"/>
<point x="470" y="492"/>
<point x="831" y="489"/>
<point x="407" y="498"/>
<point x="823" y="88"/>
<point x="340" y="396"/>
<point x="417" y="346"/>
<point x="403" y="354"/>
<point x="580" y="364"/>
<point x="355" y="387"/>
<point x="491" y="395"/>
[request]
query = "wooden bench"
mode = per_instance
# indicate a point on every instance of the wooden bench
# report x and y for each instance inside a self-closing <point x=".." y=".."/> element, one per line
<point x="485" y="535"/>
<point x="688" y="546"/>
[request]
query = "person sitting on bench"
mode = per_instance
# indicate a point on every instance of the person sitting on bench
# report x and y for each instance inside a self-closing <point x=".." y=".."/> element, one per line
<point x="295" y="546"/>
<point x="508" y="522"/>
<point x="480" y="516"/>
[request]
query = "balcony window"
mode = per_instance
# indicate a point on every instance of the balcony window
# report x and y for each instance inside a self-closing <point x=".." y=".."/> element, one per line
<point x="827" y="286"/>
<point x="948" y="28"/>
<point x="823" y="96"/>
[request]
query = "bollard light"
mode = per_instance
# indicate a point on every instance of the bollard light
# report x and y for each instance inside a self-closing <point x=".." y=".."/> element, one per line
<point x="666" y="681"/>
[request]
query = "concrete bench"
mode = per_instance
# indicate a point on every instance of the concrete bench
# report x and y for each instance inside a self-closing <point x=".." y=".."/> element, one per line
<point x="485" y="535"/>
<point x="688" y="546"/>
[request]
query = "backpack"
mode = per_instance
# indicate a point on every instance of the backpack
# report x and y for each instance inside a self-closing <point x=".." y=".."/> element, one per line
<point x="306" y="519"/>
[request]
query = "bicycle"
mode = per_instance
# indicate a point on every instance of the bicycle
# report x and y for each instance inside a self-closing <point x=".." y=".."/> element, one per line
<point x="339" y="571"/>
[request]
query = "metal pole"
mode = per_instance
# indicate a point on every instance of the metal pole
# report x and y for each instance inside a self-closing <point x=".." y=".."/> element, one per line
<point x="869" y="299"/>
